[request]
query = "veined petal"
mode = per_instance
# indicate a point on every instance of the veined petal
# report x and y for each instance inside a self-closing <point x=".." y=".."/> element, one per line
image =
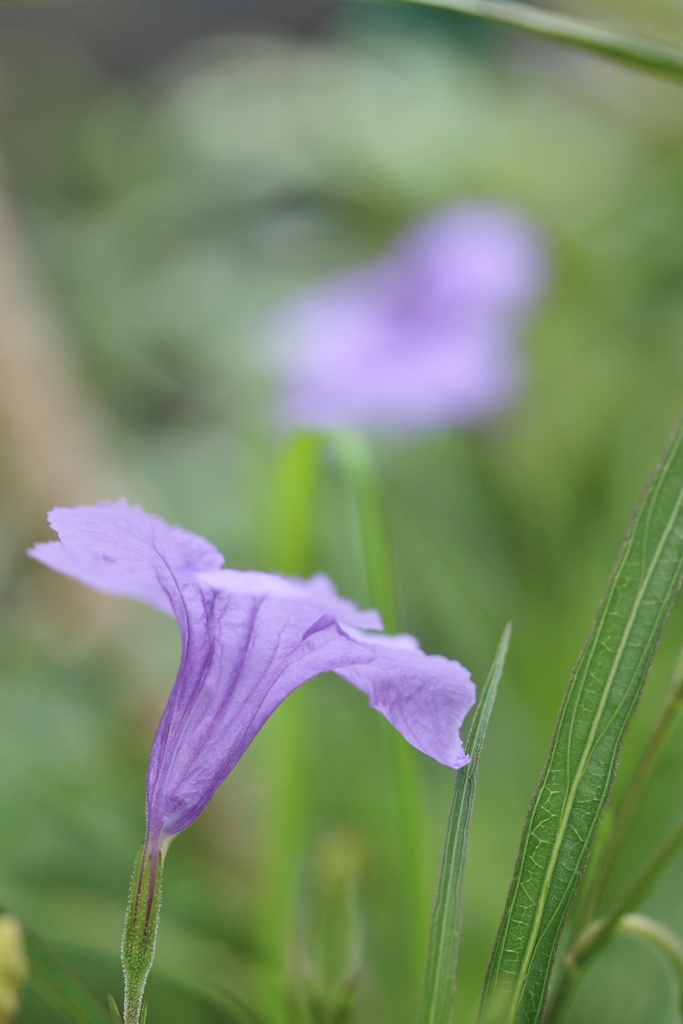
<point x="248" y="640"/>
<point x="120" y="549"/>
<point x="263" y="648"/>
<point x="318" y="591"/>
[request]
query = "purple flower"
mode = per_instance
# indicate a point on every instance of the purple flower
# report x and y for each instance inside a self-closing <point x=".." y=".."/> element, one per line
<point x="424" y="338"/>
<point x="248" y="640"/>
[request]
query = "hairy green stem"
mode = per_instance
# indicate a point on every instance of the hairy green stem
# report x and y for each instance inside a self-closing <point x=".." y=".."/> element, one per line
<point x="140" y="932"/>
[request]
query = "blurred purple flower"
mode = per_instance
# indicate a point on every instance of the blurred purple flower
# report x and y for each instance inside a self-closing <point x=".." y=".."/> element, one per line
<point x="424" y="338"/>
<point x="248" y="640"/>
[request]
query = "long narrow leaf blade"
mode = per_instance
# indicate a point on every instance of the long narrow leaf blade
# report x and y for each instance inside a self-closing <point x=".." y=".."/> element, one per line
<point x="60" y="988"/>
<point x="575" y="783"/>
<point x="439" y="980"/>
<point x="647" y="55"/>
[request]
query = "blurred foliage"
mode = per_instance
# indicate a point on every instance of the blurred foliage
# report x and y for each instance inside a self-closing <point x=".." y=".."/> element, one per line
<point x="164" y="218"/>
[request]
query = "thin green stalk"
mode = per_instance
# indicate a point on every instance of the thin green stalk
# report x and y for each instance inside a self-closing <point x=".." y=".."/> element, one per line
<point x="646" y="55"/>
<point x="288" y="549"/>
<point x="636" y="925"/>
<point x="293" y="504"/>
<point x="662" y="938"/>
<point x="596" y="935"/>
<point x="369" y="523"/>
<point x="369" y="526"/>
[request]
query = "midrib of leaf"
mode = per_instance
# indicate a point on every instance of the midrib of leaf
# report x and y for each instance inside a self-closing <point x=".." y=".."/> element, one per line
<point x="588" y="749"/>
<point x="606" y="628"/>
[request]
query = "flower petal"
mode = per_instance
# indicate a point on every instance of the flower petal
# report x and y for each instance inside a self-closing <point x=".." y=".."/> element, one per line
<point x="318" y="591"/>
<point x="119" y="549"/>
<point x="424" y="338"/>
<point x="245" y="654"/>
<point x="248" y="640"/>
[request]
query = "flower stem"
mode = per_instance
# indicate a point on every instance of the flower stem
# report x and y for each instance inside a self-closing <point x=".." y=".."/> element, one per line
<point x="140" y="932"/>
<point x="292" y="512"/>
<point x="355" y="460"/>
<point x="288" y="549"/>
<point x="369" y="523"/>
<point x="662" y="938"/>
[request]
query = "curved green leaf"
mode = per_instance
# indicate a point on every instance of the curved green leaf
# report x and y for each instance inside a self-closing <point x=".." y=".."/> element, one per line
<point x="578" y="775"/>
<point x="60" y="988"/>
<point x="648" y="55"/>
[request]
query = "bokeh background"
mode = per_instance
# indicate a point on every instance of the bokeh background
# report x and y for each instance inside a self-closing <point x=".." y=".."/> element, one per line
<point x="170" y="172"/>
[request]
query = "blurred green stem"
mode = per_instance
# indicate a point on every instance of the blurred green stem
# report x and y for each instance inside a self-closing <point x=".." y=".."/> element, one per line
<point x="293" y="512"/>
<point x="373" y="553"/>
<point x="293" y="504"/>
<point x="662" y="938"/>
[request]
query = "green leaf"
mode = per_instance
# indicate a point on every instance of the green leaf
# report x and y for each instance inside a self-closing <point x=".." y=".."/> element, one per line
<point x="114" y="1010"/>
<point x="228" y="981"/>
<point x="439" y="980"/>
<point x="575" y="784"/>
<point x="645" y="54"/>
<point x="60" y="988"/>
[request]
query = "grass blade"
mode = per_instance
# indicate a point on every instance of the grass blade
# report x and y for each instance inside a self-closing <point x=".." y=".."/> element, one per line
<point x="439" y="980"/>
<point x="647" y="55"/>
<point x="576" y="780"/>
<point x="60" y="988"/>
